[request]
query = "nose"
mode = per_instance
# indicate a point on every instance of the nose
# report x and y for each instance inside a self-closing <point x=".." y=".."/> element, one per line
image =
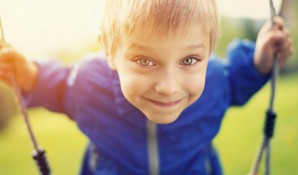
<point x="167" y="83"/>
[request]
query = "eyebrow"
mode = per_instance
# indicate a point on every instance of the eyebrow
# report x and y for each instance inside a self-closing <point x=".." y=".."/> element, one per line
<point x="139" y="46"/>
<point x="196" y="46"/>
<point x="189" y="47"/>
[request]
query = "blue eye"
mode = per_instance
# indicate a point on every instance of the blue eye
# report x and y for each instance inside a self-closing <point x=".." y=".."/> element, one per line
<point x="189" y="61"/>
<point x="145" y="62"/>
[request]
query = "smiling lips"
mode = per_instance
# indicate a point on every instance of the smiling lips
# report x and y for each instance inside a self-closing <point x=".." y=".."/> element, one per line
<point x="165" y="104"/>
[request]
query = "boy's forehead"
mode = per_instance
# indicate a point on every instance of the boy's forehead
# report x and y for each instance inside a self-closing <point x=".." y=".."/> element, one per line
<point x="189" y="32"/>
<point x="154" y="25"/>
<point x="187" y="38"/>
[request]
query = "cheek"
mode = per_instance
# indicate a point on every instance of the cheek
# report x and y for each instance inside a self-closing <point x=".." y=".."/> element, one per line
<point x="196" y="87"/>
<point x="132" y="85"/>
<point x="198" y="81"/>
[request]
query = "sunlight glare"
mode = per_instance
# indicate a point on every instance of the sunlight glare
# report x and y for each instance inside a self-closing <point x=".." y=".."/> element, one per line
<point x="42" y="27"/>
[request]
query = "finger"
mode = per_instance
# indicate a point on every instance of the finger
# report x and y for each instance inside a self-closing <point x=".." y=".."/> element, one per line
<point x="272" y="39"/>
<point x="279" y="39"/>
<point x="285" y="53"/>
<point x="284" y="45"/>
<point x="5" y="67"/>
<point x="4" y="44"/>
<point x="284" y="56"/>
<point x="278" y="23"/>
<point x="7" y="54"/>
<point x="5" y="78"/>
<point x="287" y="32"/>
<point x="266" y="27"/>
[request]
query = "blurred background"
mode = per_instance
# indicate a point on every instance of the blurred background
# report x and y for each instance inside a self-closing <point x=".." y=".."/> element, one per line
<point x="68" y="29"/>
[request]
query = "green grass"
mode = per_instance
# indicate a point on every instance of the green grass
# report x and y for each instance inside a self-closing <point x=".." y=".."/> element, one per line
<point x="59" y="136"/>
<point x="237" y="142"/>
<point x="241" y="132"/>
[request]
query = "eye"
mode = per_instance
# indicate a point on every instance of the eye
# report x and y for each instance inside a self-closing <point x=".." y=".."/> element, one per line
<point x="189" y="61"/>
<point x="145" y="62"/>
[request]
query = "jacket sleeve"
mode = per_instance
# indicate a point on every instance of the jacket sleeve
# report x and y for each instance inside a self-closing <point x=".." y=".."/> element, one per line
<point x="244" y="79"/>
<point x="51" y="88"/>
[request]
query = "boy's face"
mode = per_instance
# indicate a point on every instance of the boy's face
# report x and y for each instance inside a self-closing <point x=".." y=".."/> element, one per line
<point x="161" y="75"/>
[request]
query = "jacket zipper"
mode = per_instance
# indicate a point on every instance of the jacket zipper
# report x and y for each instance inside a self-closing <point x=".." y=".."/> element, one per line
<point x="153" y="157"/>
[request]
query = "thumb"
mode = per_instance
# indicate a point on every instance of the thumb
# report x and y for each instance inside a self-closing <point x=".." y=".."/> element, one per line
<point x="278" y="23"/>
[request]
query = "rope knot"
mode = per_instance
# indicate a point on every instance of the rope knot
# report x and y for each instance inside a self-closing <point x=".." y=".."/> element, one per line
<point x="269" y="124"/>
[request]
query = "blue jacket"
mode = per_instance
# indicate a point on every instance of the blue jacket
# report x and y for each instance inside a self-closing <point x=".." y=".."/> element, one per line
<point x="122" y="140"/>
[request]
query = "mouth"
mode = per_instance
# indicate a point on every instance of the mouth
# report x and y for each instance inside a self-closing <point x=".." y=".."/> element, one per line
<point x="162" y="104"/>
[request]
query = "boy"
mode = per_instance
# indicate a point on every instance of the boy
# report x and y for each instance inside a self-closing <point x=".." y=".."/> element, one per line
<point x="145" y="104"/>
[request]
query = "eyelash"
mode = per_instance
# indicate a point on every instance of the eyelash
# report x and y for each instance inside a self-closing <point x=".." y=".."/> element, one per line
<point x="148" y="61"/>
<point x="194" y="60"/>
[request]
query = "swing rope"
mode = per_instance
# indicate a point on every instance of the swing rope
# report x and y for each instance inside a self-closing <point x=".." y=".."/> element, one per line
<point x="39" y="154"/>
<point x="270" y="115"/>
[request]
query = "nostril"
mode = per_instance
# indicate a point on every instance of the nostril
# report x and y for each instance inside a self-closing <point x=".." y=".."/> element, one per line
<point x="166" y="88"/>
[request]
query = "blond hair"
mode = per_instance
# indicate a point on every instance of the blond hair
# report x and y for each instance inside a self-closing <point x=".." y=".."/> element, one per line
<point x="123" y="17"/>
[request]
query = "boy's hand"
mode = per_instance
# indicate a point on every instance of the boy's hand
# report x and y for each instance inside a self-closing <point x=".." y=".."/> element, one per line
<point x="14" y="64"/>
<point x="272" y="39"/>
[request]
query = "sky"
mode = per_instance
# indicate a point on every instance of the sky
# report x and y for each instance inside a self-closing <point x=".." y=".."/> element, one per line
<point x="41" y="27"/>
